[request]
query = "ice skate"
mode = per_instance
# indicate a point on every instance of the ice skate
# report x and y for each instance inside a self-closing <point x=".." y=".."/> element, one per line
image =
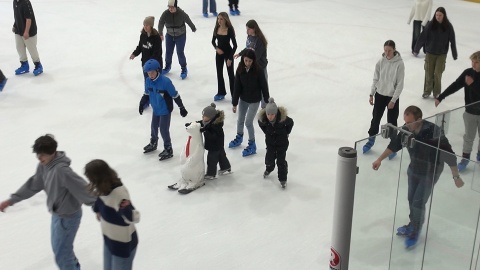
<point x="150" y="147"/>
<point x="266" y="173"/>
<point x="251" y="149"/>
<point x="405" y="230"/>
<point x="38" y="69"/>
<point x="283" y="184"/>
<point x="226" y="171"/>
<point x="184" y="73"/>
<point x="24" y="68"/>
<point x="369" y="144"/>
<point x="236" y="142"/>
<point x="166" y="154"/>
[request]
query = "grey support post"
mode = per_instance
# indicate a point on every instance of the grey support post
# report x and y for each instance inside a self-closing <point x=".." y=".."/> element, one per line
<point x="343" y="208"/>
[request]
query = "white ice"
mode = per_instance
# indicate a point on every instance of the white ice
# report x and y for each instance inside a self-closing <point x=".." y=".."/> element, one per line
<point x="321" y="61"/>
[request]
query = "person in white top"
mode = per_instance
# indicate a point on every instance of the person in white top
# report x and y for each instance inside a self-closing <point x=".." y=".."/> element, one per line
<point x="421" y="12"/>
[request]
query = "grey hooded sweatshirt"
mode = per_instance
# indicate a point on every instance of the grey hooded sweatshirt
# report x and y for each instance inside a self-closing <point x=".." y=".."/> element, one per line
<point x="175" y="23"/>
<point x="66" y="191"/>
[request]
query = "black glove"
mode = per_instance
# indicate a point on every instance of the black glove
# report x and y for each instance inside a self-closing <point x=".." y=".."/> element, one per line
<point x="143" y="102"/>
<point x="183" y="112"/>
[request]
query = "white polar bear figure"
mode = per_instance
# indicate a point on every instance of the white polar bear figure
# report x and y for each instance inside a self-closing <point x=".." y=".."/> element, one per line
<point x="192" y="161"/>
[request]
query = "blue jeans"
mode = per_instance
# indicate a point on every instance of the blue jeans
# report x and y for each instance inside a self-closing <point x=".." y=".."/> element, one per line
<point x="420" y="187"/>
<point x="63" y="231"/>
<point x="112" y="262"/>
<point x="161" y="122"/>
<point x="170" y="43"/>
<point x="213" y="6"/>
<point x="246" y="114"/>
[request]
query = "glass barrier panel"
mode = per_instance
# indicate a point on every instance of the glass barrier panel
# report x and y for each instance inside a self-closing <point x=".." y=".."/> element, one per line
<point x="374" y="206"/>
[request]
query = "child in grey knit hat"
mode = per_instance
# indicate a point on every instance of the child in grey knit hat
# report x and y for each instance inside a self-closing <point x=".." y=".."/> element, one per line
<point x="212" y="121"/>
<point x="276" y="125"/>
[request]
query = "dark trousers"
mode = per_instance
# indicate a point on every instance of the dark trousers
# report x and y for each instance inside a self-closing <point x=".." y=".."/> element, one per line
<point x="381" y="102"/>
<point x="419" y="189"/>
<point x="233" y="3"/>
<point x="417" y="28"/>
<point x="161" y="122"/>
<point x="214" y="158"/>
<point x="170" y="44"/>
<point x="280" y="155"/>
<point x="2" y="77"/>
<point x="220" y="60"/>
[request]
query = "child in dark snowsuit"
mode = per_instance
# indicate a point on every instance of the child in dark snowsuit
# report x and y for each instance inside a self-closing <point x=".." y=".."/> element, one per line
<point x="277" y="126"/>
<point x="212" y="121"/>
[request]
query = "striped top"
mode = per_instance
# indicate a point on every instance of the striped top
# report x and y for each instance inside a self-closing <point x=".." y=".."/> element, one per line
<point x="117" y="223"/>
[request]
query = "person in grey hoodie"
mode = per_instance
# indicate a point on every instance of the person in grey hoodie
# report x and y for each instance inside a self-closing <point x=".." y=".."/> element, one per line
<point x="66" y="192"/>
<point x="386" y="89"/>
<point x="174" y="19"/>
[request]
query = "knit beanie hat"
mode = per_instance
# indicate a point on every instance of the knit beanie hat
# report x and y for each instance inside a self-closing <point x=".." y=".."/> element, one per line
<point x="150" y="20"/>
<point x="172" y="3"/>
<point x="210" y="111"/>
<point x="271" y="107"/>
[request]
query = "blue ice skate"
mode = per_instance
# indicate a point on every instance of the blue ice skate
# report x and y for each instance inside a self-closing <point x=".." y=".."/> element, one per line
<point x="38" y="69"/>
<point x="215" y="14"/>
<point x="369" y="144"/>
<point x="412" y="239"/>
<point x="184" y="73"/>
<point x="205" y="15"/>
<point x="251" y="149"/>
<point x="24" y="68"/>
<point x="237" y="12"/>
<point x="166" y="69"/>
<point x="232" y="12"/>
<point x="218" y="97"/>
<point x="236" y="142"/>
<point x="463" y="164"/>
<point x="405" y="230"/>
<point x="2" y="84"/>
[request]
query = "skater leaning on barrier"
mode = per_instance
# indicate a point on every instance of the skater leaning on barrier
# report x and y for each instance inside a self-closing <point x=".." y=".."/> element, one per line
<point x="161" y="93"/>
<point x="66" y="192"/>
<point x="470" y="81"/>
<point x="426" y="165"/>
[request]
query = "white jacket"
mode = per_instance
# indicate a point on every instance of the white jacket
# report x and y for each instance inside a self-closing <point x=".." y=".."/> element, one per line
<point x="421" y="11"/>
<point x="388" y="77"/>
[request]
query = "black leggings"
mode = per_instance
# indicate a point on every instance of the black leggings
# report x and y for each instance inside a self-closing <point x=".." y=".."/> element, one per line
<point x="381" y="102"/>
<point x="220" y="60"/>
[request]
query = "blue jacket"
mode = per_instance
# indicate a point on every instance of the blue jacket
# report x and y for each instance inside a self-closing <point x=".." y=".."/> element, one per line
<point x="161" y="92"/>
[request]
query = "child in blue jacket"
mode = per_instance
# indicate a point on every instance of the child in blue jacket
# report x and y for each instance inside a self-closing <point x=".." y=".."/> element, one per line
<point x="161" y="93"/>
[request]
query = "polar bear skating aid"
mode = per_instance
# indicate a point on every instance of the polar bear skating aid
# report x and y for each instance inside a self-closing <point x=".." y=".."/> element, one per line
<point x="192" y="161"/>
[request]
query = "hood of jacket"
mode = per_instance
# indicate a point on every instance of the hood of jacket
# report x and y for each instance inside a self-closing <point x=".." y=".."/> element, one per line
<point x="282" y="111"/>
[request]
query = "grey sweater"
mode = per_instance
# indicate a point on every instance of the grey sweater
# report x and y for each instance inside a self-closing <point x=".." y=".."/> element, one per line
<point x="175" y="23"/>
<point x="66" y="191"/>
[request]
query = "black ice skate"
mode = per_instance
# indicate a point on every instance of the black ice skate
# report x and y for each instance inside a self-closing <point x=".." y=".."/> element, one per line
<point x="266" y="173"/>
<point x="226" y="171"/>
<point x="150" y="147"/>
<point x="283" y="184"/>
<point x="166" y="154"/>
<point x="188" y="190"/>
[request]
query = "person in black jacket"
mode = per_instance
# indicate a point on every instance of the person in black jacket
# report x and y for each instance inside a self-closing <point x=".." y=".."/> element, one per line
<point x="435" y="38"/>
<point x="25" y="30"/>
<point x="427" y="157"/>
<point x="212" y="121"/>
<point x="470" y="81"/>
<point x="149" y="45"/>
<point x="250" y="87"/>
<point x="277" y="126"/>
